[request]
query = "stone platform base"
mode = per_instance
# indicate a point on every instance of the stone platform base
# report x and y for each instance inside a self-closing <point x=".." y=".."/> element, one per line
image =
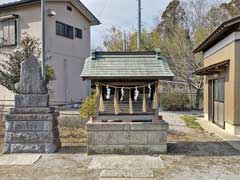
<point x="31" y="130"/>
<point x="127" y="137"/>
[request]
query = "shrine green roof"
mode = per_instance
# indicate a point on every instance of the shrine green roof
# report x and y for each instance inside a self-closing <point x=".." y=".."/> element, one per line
<point x="102" y="65"/>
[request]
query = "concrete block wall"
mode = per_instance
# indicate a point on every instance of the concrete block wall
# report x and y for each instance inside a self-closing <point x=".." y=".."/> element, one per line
<point x="127" y="138"/>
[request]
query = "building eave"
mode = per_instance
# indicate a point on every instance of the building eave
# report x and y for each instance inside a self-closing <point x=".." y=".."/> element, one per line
<point x="77" y="3"/>
<point x="220" y="33"/>
<point x="214" y="68"/>
<point x="14" y="4"/>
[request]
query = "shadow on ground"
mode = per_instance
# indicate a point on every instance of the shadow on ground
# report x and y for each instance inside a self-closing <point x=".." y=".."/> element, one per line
<point x="197" y="148"/>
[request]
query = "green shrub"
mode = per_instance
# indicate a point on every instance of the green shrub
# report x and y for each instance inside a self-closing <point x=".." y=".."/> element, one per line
<point x="174" y="101"/>
<point x="88" y="108"/>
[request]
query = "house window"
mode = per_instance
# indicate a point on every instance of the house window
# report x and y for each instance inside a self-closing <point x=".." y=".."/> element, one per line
<point x="69" y="8"/>
<point x="64" y="30"/>
<point x="219" y="90"/>
<point x="8" y="32"/>
<point x="78" y="33"/>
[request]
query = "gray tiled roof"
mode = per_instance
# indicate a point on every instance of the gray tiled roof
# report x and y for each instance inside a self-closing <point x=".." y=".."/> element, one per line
<point x="16" y="2"/>
<point x="84" y="10"/>
<point x="126" y="64"/>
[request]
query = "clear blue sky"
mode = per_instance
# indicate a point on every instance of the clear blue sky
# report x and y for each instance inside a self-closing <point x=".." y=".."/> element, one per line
<point x="122" y="13"/>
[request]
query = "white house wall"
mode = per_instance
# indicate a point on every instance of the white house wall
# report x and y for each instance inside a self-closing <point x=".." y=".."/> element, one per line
<point x="67" y="55"/>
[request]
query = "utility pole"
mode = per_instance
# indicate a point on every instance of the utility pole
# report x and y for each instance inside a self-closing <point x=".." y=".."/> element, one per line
<point x="43" y="16"/>
<point x="124" y="41"/>
<point x="139" y="24"/>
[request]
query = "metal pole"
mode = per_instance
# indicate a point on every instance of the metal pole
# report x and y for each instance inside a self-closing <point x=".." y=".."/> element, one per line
<point x="43" y="15"/>
<point x="139" y="25"/>
<point x="124" y="41"/>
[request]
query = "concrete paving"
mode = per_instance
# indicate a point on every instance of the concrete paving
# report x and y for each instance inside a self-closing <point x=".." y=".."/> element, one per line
<point x="234" y="141"/>
<point x="114" y="166"/>
<point x="19" y="159"/>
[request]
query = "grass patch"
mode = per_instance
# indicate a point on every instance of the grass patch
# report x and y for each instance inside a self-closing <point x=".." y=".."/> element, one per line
<point x="191" y="122"/>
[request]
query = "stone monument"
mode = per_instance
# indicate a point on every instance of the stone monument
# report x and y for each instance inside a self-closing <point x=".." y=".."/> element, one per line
<point x="31" y="127"/>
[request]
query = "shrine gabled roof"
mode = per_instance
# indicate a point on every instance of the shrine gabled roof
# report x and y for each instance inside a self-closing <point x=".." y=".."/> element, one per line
<point x="108" y="65"/>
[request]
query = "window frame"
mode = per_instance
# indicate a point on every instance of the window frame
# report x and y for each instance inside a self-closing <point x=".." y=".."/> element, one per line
<point x="5" y="42"/>
<point x="219" y="90"/>
<point x="67" y="31"/>
<point x="69" y="8"/>
<point x="78" y="33"/>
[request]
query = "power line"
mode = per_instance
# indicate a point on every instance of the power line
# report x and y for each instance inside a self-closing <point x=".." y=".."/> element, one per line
<point x="104" y="8"/>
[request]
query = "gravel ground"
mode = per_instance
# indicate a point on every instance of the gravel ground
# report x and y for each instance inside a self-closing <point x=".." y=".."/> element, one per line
<point x="193" y="154"/>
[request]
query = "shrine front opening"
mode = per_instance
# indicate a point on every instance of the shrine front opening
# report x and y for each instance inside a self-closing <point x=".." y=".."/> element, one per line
<point x="126" y="100"/>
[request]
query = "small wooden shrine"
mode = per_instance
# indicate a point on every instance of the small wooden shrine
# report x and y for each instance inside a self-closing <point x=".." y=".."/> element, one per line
<point x="127" y="84"/>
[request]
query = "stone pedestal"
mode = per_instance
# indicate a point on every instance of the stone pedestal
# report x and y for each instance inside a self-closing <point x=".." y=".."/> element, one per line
<point x="31" y="127"/>
<point x="127" y="137"/>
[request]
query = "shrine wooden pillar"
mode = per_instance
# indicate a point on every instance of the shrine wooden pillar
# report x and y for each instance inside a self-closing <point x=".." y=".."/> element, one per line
<point x="157" y="91"/>
<point x="98" y="91"/>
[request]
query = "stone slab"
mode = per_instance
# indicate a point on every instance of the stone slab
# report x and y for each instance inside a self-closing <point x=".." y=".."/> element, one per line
<point x="110" y="126"/>
<point x="127" y="162"/>
<point x="32" y="110"/>
<point x="30" y="78"/>
<point x="27" y="126"/>
<point x="131" y="173"/>
<point x="125" y="179"/>
<point x="31" y="137"/>
<point x="31" y="117"/>
<point x="127" y="149"/>
<point x="19" y="159"/>
<point x="31" y="147"/>
<point x="31" y="100"/>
